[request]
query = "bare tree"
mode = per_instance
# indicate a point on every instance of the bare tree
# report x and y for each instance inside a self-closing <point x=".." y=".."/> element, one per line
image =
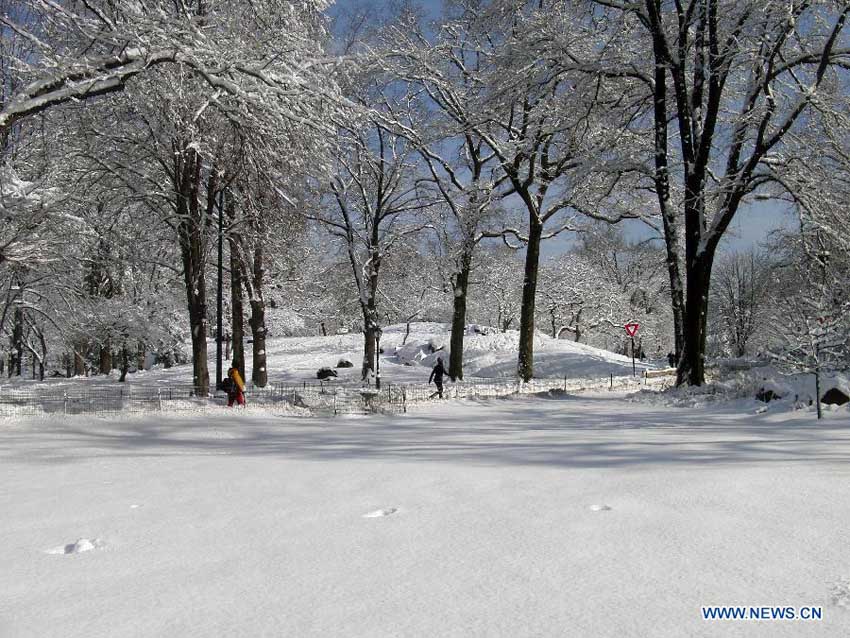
<point x="734" y="78"/>
<point x="375" y="202"/>
<point x="740" y="295"/>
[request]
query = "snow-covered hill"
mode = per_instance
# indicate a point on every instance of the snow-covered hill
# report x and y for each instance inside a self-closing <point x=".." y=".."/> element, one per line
<point x="410" y="359"/>
<point x="405" y="359"/>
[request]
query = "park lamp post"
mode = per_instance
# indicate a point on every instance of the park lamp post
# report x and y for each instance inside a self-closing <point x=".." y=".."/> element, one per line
<point x="219" y="298"/>
<point x="378" y="334"/>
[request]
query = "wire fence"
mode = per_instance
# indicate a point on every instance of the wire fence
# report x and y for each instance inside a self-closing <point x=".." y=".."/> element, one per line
<point x="321" y="398"/>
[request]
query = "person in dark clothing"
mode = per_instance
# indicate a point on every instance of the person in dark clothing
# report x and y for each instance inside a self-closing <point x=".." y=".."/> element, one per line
<point x="235" y="388"/>
<point x="437" y="377"/>
<point x="671" y="359"/>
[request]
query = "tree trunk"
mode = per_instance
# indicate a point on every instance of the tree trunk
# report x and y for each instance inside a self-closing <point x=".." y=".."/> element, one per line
<point x="370" y="327"/>
<point x="237" y="321"/>
<point x="578" y="325"/>
<point x="43" y="343"/>
<point x="369" y="307"/>
<point x="125" y="363"/>
<point x="525" y="363"/>
<point x="692" y="362"/>
<point x="196" y="297"/>
<point x="369" y="350"/>
<point x="105" y="358"/>
<point x="191" y="231"/>
<point x="662" y="187"/>
<point x="461" y="288"/>
<point x="259" y="374"/>
<point x="79" y="364"/>
<point x="17" y="344"/>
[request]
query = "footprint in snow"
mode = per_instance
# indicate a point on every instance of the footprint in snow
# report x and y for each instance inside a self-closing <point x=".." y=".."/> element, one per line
<point x="599" y="508"/>
<point x="78" y="547"/>
<point x="840" y="594"/>
<point x="380" y="513"/>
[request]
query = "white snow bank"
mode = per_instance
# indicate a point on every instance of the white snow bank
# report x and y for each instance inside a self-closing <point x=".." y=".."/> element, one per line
<point x="791" y="391"/>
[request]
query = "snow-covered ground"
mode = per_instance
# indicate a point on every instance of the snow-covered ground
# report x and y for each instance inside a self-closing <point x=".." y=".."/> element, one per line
<point x="297" y="359"/>
<point x="587" y="516"/>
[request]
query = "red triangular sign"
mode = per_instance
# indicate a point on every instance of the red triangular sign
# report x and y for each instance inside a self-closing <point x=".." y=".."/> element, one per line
<point x="631" y="329"/>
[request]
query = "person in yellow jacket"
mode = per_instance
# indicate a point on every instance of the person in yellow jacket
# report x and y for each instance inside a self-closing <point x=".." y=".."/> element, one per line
<point x="235" y="388"/>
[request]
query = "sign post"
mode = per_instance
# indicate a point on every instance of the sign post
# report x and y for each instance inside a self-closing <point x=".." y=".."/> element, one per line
<point x="631" y="330"/>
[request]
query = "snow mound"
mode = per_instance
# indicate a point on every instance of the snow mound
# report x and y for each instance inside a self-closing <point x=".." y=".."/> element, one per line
<point x="78" y="547"/>
<point x="380" y="513"/>
<point x="419" y="351"/>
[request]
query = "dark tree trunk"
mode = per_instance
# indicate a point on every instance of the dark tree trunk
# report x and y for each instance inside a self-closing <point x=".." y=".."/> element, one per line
<point x="106" y="358"/>
<point x="17" y="358"/>
<point x="369" y="350"/>
<point x="370" y="310"/>
<point x="525" y="363"/>
<point x="461" y="288"/>
<point x="662" y="187"/>
<point x="79" y="364"/>
<point x="140" y="356"/>
<point x="125" y="363"/>
<point x="578" y="325"/>
<point x="259" y="374"/>
<point x="191" y="231"/>
<point x="692" y="362"/>
<point x="43" y="343"/>
<point x="237" y="322"/>
<point x="196" y="298"/>
<point x="324" y="330"/>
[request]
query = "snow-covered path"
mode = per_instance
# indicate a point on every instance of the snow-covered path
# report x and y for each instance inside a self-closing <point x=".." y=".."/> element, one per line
<point x="584" y="517"/>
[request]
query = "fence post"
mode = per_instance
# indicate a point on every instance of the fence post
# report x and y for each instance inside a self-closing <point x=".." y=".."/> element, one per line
<point x="404" y="399"/>
<point x="159" y="398"/>
<point x="335" y="412"/>
<point x="565" y="383"/>
<point x="65" y="402"/>
<point x="611" y="387"/>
